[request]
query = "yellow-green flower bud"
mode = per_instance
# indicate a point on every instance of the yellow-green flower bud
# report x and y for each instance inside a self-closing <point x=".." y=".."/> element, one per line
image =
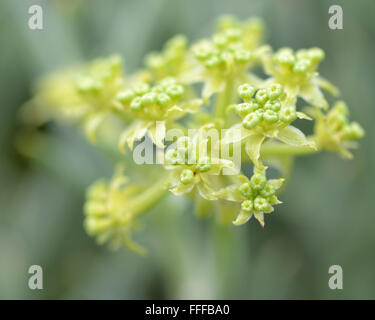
<point x="141" y="89"/>
<point x="270" y="116"/>
<point x="261" y="204"/>
<point x="163" y="99"/>
<point x="175" y="91"/>
<point x="316" y="54"/>
<point x="273" y="105"/>
<point x="245" y="190"/>
<point x="288" y="114"/>
<point x="149" y="98"/>
<point x="354" y="131"/>
<point x="212" y="62"/>
<point x="186" y="176"/>
<point x="251" y="120"/>
<point x="285" y="56"/>
<point x="261" y="96"/>
<point x="136" y="104"/>
<point x="247" y="205"/>
<point x="242" y="55"/>
<point x="220" y="40"/>
<point x="125" y="96"/>
<point x="258" y="181"/>
<point x="275" y="91"/>
<point x="302" y="66"/>
<point x="268" y="190"/>
<point x="245" y="92"/>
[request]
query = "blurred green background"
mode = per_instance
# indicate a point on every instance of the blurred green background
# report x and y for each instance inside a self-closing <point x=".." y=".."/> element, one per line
<point x="327" y="217"/>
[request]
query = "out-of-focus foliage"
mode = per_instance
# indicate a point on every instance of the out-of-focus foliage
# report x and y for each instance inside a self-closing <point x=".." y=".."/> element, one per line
<point x="44" y="176"/>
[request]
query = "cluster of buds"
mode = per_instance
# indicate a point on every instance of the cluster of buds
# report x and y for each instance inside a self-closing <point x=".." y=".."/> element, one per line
<point x="192" y="167"/>
<point x="297" y="72"/>
<point x="335" y="132"/>
<point x="299" y="66"/>
<point x="171" y="61"/>
<point x="106" y="213"/>
<point x="100" y="81"/>
<point x="263" y="108"/>
<point x="257" y="196"/>
<point x="156" y="99"/>
<point x="147" y="102"/>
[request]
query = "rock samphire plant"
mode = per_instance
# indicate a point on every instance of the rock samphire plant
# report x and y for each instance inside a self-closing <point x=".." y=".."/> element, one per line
<point x="204" y="118"/>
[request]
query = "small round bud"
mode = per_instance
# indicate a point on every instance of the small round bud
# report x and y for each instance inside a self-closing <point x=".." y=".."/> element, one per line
<point x="285" y="56"/>
<point x="336" y="120"/>
<point x="136" y="104"/>
<point x="163" y="99"/>
<point x="202" y="52"/>
<point x="204" y="165"/>
<point x="270" y="116"/>
<point x="268" y="190"/>
<point x="166" y="82"/>
<point x="175" y="91"/>
<point x="258" y="181"/>
<point x="302" y="66"/>
<point x="247" y="206"/>
<point x="245" y="190"/>
<point x="261" y="204"/>
<point x="275" y="91"/>
<point x="261" y="96"/>
<point x="273" y="105"/>
<point x="260" y="113"/>
<point x="354" y="131"/>
<point x="186" y="176"/>
<point x="155" y="61"/>
<point x="254" y="105"/>
<point x="125" y="96"/>
<point x="141" y="89"/>
<point x="316" y="54"/>
<point x="88" y="84"/>
<point x="220" y="40"/>
<point x="233" y="34"/>
<point x="288" y="114"/>
<point x="251" y="120"/>
<point x="212" y="62"/>
<point x="242" y="55"/>
<point x="149" y="98"/>
<point x="245" y="91"/>
<point x="243" y="109"/>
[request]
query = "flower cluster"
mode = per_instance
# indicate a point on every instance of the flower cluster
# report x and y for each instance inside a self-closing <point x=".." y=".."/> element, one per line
<point x="334" y="132"/>
<point x="162" y="97"/>
<point x="257" y="196"/>
<point x="171" y="62"/>
<point x="297" y="72"/>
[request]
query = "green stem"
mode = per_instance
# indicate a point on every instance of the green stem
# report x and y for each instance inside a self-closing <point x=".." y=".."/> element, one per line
<point x="147" y="199"/>
<point x="278" y="149"/>
<point x="223" y="99"/>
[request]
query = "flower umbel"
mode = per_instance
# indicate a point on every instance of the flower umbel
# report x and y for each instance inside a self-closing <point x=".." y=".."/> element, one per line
<point x="257" y="116"/>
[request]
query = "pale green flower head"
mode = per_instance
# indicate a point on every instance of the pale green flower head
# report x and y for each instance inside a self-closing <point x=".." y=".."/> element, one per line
<point x="297" y="72"/>
<point x="335" y="132"/>
<point x="192" y="167"/>
<point x="228" y="55"/>
<point x="110" y="211"/>
<point x="265" y="114"/>
<point x="149" y="106"/>
<point x="172" y="61"/>
<point x="257" y="196"/>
